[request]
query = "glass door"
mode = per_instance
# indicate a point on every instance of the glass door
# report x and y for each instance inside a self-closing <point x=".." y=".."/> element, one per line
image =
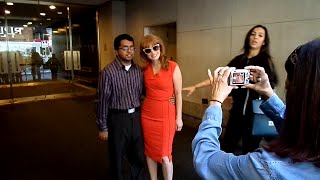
<point x="41" y="49"/>
<point x="7" y="74"/>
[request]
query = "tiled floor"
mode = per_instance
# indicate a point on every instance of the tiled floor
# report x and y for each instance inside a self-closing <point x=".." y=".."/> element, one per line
<point x="56" y="140"/>
<point x="45" y="90"/>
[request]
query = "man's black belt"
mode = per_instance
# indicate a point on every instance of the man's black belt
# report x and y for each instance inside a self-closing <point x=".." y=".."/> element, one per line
<point x="129" y="111"/>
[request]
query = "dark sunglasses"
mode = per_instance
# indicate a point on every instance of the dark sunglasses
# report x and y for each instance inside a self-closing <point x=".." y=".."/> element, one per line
<point x="154" y="48"/>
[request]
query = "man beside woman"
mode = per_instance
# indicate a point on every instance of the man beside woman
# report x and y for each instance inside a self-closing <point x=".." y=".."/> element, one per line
<point x="256" y="52"/>
<point x="118" y="111"/>
<point x="295" y="154"/>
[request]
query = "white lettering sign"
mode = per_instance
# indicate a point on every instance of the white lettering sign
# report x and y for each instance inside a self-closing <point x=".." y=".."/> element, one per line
<point x="11" y="31"/>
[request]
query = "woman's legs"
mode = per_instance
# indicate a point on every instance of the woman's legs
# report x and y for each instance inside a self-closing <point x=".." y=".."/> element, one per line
<point x="167" y="168"/>
<point x="152" y="167"/>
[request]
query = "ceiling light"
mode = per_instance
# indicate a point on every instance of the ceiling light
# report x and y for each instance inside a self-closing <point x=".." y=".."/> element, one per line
<point x="48" y="19"/>
<point x="9" y="3"/>
<point x="59" y="12"/>
<point x="29" y="23"/>
<point x="62" y="30"/>
<point x="52" y="7"/>
<point x="7" y="11"/>
<point x="42" y="14"/>
<point x="25" y="25"/>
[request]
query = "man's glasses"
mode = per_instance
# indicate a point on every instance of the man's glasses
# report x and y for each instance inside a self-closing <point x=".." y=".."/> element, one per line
<point x="154" y="48"/>
<point x="126" y="48"/>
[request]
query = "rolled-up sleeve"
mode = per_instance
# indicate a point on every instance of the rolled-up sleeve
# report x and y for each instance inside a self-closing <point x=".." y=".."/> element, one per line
<point x="206" y="142"/>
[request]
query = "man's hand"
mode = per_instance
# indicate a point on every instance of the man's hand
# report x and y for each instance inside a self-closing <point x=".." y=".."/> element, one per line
<point x="103" y="136"/>
<point x="172" y="99"/>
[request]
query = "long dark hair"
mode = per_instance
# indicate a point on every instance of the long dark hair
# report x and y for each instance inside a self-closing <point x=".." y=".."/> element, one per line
<point x="265" y="48"/>
<point x="299" y="138"/>
<point x="264" y="51"/>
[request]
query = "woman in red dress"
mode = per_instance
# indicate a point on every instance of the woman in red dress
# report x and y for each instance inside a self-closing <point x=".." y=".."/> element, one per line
<point x="160" y="118"/>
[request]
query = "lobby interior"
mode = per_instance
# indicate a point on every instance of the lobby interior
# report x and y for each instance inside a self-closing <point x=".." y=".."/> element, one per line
<point x="47" y="125"/>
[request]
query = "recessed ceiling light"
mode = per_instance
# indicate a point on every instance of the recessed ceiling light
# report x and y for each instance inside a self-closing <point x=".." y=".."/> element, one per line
<point x="52" y="7"/>
<point x="25" y="25"/>
<point x="48" y="19"/>
<point x="42" y="14"/>
<point x="62" y="30"/>
<point x="59" y="12"/>
<point x="29" y="23"/>
<point x="7" y="11"/>
<point x="9" y="3"/>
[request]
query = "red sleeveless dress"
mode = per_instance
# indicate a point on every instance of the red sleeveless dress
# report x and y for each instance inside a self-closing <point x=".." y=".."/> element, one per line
<point x="158" y="115"/>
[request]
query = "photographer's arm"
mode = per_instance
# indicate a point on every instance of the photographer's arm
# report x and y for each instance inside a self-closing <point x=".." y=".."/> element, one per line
<point x="193" y="88"/>
<point x="274" y="108"/>
<point x="209" y="161"/>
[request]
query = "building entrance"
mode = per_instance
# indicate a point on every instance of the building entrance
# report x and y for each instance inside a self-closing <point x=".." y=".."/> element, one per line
<point x="46" y="43"/>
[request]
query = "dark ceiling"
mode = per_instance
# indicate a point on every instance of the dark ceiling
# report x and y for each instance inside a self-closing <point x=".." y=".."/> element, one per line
<point x="21" y="13"/>
<point x="46" y="2"/>
<point x="86" y="2"/>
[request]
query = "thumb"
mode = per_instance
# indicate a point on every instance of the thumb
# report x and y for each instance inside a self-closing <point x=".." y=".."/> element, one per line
<point x="210" y="76"/>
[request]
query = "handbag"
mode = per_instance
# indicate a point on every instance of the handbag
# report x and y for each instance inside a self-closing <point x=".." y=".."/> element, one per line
<point x="261" y="124"/>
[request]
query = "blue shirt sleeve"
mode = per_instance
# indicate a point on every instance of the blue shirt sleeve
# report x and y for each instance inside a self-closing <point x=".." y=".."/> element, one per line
<point x="212" y="163"/>
<point x="275" y="109"/>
